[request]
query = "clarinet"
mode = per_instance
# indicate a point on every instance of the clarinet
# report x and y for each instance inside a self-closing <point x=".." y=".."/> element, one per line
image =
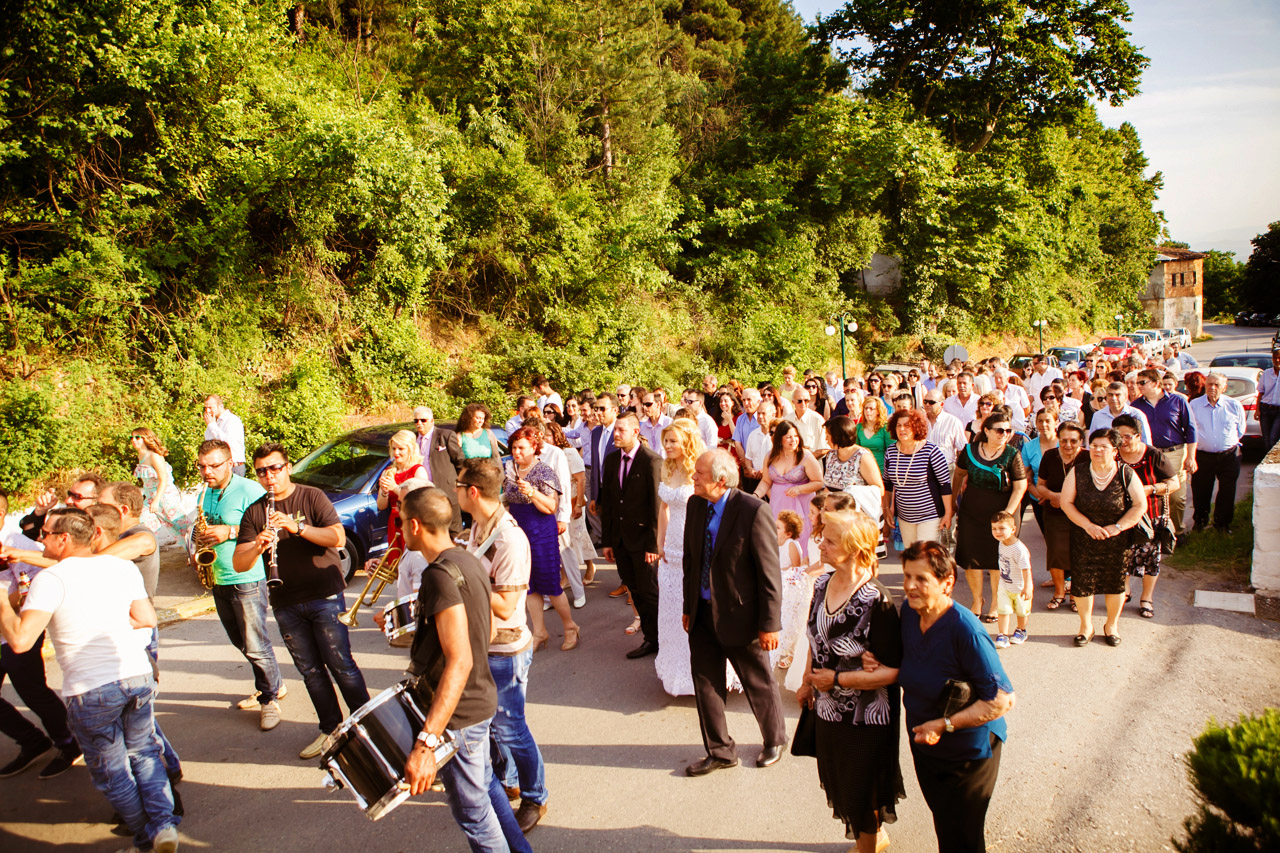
<point x="273" y="570"/>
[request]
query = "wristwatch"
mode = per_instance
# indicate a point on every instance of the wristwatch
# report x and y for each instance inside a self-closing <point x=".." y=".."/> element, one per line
<point x="946" y="721"/>
<point x="429" y="740"/>
<point x="302" y="525"/>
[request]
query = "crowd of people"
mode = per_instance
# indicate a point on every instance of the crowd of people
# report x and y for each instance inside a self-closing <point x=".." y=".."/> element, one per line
<point x="746" y="525"/>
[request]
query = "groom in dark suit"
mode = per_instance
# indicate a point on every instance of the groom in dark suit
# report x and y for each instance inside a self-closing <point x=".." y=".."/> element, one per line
<point x="732" y="608"/>
<point x="629" y="523"/>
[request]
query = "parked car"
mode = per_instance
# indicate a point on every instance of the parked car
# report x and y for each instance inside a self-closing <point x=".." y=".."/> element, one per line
<point x="1116" y="348"/>
<point x="1065" y="355"/>
<point x="347" y="470"/>
<point x="1021" y="361"/>
<point x="1242" y="385"/>
<point x="1143" y="343"/>
<point x="1242" y="318"/>
<point x="1180" y="336"/>
<point x="1260" y="360"/>
<point x="1158" y="338"/>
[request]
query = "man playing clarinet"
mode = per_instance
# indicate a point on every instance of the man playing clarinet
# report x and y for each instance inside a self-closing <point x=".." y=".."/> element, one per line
<point x="297" y="532"/>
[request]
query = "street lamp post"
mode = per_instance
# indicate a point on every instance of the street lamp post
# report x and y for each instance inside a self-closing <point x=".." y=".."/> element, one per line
<point x="844" y="323"/>
<point x="1039" y="324"/>
<point x="1119" y="317"/>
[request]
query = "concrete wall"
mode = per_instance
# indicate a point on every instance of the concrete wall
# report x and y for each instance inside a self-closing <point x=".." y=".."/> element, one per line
<point x="1265" y="576"/>
<point x="1175" y="295"/>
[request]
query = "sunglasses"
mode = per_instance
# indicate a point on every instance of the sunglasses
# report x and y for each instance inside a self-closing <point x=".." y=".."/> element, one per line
<point x="461" y="485"/>
<point x="264" y="470"/>
<point x="933" y="402"/>
<point x="76" y="496"/>
<point x="1001" y="430"/>
<point x="600" y="408"/>
<point x="422" y="420"/>
<point x="46" y="533"/>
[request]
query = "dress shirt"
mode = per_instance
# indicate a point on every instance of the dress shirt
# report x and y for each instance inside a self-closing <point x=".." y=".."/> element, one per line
<point x="758" y="445"/>
<point x="948" y="433"/>
<point x="964" y="411"/>
<point x="424" y="447"/>
<point x="625" y="459"/>
<point x="713" y="529"/>
<point x="811" y="431"/>
<point x="742" y="430"/>
<point x="1218" y="427"/>
<point x="1170" y="420"/>
<point x="578" y="433"/>
<point x="652" y="433"/>
<point x="230" y="429"/>
<point x="556" y="460"/>
<point x="1102" y="420"/>
<point x="1269" y="387"/>
<point x="929" y="384"/>
<point x="1187" y="361"/>
<point x="710" y="432"/>
<point x="1015" y="396"/>
<point x="513" y="423"/>
<point x="835" y="393"/>
<point x="1036" y="381"/>
<point x="553" y="397"/>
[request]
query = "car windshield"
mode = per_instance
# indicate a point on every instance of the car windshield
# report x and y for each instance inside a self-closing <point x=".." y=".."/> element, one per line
<point x="1114" y="342"/>
<point x="1247" y="359"/>
<point x="340" y="466"/>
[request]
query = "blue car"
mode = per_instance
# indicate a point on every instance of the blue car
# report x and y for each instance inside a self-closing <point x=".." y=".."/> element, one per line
<point x="347" y="470"/>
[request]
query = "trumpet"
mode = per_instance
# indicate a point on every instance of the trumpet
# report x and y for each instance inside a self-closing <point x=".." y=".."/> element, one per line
<point x="383" y="573"/>
<point x="205" y="555"/>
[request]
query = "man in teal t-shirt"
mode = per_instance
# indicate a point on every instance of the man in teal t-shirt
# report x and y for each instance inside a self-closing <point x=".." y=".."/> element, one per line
<point x="240" y="597"/>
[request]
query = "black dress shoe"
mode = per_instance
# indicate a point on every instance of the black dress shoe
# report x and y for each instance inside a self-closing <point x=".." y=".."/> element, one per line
<point x="770" y="755"/>
<point x="710" y="764"/>
<point x="643" y="650"/>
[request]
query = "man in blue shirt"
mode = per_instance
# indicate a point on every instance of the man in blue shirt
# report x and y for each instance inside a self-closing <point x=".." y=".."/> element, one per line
<point x="1220" y="423"/>
<point x="1173" y="433"/>
<point x="1117" y="397"/>
<point x="1268" y="411"/>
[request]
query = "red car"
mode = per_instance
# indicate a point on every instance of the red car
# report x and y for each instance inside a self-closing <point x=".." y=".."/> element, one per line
<point x="1117" y="348"/>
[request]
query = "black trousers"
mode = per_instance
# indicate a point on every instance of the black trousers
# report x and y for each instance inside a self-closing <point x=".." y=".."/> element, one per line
<point x="641" y="579"/>
<point x="1224" y="469"/>
<point x="707" y="657"/>
<point x="26" y="671"/>
<point x="958" y="793"/>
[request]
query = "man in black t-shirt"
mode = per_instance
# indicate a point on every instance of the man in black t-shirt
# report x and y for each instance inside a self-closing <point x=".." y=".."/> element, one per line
<point x="307" y="535"/>
<point x="450" y="656"/>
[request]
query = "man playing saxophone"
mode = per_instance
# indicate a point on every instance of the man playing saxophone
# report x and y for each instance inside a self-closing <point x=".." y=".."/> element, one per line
<point x="240" y="597"/>
<point x="305" y="533"/>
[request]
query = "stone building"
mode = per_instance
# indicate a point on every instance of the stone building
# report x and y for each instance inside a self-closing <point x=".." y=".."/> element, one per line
<point x="1175" y="290"/>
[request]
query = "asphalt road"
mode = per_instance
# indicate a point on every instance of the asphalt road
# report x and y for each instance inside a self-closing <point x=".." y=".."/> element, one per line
<point x="1093" y="761"/>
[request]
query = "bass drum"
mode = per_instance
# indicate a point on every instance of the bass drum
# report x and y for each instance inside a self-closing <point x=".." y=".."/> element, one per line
<point x="400" y="621"/>
<point x="367" y="753"/>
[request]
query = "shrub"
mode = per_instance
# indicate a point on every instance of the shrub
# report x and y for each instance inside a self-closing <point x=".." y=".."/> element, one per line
<point x="29" y="436"/>
<point x="1236" y="772"/>
<point x="302" y="410"/>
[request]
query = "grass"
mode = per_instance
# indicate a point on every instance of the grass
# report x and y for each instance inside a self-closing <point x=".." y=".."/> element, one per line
<point x="1212" y="551"/>
<point x="1201" y="339"/>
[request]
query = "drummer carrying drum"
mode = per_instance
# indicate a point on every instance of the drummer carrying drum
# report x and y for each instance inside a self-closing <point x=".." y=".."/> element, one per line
<point x="449" y="659"/>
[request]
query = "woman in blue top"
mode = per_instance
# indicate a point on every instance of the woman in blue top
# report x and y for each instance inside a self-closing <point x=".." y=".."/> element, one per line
<point x="957" y="756"/>
<point x="1041" y="440"/>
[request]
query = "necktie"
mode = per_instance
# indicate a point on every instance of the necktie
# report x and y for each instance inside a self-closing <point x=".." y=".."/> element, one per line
<point x="626" y="466"/>
<point x="707" y="544"/>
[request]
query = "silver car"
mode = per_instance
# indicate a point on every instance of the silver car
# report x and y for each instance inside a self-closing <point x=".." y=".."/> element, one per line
<point x="1242" y="386"/>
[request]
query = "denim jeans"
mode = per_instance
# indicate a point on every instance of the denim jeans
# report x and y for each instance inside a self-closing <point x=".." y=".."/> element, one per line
<point x="168" y="754"/>
<point x="320" y="646"/>
<point x="520" y="764"/>
<point x="115" y="727"/>
<point x="476" y="798"/>
<point x="26" y="671"/>
<point x="242" y="608"/>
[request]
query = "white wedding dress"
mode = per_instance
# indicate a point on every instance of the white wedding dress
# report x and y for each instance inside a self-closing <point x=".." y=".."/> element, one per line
<point x="672" y="662"/>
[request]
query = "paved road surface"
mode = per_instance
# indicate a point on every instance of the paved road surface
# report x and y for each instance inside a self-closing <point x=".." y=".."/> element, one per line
<point x="1093" y="762"/>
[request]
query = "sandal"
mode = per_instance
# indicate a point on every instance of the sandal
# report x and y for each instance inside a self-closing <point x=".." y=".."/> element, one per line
<point x="1145" y="610"/>
<point x="1073" y="606"/>
<point x="1054" y="603"/>
<point x="988" y="618"/>
<point x="634" y="627"/>
<point x="1128" y="596"/>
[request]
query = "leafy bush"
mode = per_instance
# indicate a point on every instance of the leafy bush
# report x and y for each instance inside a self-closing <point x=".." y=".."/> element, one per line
<point x="1236" y="771"/>
<point x="30" y="436"/>
<point x="935" y="345"/>
<point x="301" y="411"/>
<point x="391" y="361"/>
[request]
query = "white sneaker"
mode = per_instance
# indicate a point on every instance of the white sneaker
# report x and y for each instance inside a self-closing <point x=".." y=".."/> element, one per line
<point x="269" y="717"/>
<point x="314" y="748"/>
<point x="580" y="602"/>
<point x="166" y="840"/>
<point x="251" y="703"/>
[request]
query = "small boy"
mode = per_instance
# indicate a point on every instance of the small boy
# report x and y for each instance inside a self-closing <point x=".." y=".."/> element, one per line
<point x="1015" y="580"/>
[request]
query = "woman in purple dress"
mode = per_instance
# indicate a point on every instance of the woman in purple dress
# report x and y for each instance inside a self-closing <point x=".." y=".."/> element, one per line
<point x="791" y="476"/>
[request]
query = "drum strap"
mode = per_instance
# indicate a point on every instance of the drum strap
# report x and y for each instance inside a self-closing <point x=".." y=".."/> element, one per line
<point x="424" y="683"/>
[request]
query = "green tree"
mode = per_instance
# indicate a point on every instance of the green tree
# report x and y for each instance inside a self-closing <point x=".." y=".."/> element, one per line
<point x="1223" y="275"/>
<point x="1260" y="283"/>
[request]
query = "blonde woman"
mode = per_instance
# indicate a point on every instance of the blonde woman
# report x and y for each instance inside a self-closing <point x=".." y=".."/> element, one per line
<point x="159" y="494"/>
<point x="403" y="475"/>
<point x="873" y="432"/>
<point x="682" y="444"/>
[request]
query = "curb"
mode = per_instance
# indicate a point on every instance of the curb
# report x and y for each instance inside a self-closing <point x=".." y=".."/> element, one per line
<point x="165" y="616"/>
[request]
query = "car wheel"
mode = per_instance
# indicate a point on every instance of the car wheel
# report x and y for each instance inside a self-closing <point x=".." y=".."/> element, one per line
<point x="351" y="556"/>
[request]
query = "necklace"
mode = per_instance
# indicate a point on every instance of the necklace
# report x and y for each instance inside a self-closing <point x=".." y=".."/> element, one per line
<point x="1100" y="483"/>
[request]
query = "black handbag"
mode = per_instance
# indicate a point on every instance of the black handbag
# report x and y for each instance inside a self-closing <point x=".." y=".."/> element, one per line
<point x="805" y="740"/>
<point x="956" y="696"/>
<point x="1163" y="528"/>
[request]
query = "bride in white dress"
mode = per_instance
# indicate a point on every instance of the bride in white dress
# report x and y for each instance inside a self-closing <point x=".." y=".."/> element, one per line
<point x="682" y="443"/>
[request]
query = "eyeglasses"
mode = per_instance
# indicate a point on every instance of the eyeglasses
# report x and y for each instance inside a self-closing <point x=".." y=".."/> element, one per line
<point x="647" y="403"/>
<point x="76" y="496"/>
<point x="265" y="469"/>
<point x="1143" y="382"/>
<point x="985" y="404"/>
<point x="1001" y="430"/>
<point x="47" y="533"/>
<point x="600" y="408"/>
<point x="422" y="420"/>
<point x="929" y="402"/>
<point x="461" y="485"/>
<point x="210" y="466"/>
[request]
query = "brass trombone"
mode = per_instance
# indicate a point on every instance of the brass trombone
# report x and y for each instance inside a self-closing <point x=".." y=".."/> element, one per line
<point x="383" y="573"/>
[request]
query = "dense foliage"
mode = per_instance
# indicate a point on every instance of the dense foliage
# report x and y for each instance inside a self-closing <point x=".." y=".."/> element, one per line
<point x="1236" y="773"/>
<point x="320" y="208"/>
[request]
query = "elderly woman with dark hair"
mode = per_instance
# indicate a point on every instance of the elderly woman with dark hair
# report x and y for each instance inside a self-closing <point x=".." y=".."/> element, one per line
<point x="917" y="480"/>
<point x="474" y="434"/>
<point x="1104" y="500"/>
<point x="1159" y="477"/>
<point x="955" y="746"/>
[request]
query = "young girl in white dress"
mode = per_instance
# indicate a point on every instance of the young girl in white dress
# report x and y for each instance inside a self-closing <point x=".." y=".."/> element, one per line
<point x="795" y="587"/>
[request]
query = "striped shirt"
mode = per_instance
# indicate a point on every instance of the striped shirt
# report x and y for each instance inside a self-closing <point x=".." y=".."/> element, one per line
<point x="917" y="497"/>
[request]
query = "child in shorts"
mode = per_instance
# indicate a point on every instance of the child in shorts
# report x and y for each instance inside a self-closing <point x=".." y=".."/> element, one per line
<point x="1015" y="580"/>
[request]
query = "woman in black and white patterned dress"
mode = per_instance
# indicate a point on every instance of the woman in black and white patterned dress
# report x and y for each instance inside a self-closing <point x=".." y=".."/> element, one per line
<point x="857" y="712"/>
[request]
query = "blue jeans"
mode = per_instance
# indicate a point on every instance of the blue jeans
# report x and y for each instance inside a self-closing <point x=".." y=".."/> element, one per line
<point x="517" y="758"/>
<point x="476" y="798"/>
<point x="242" y="608"/>
<point x="320" y="646"/>
<point x="115" y="727"/>
<point x="168" y="754"/>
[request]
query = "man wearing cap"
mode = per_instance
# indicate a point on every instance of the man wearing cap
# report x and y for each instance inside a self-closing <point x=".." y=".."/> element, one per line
<point x="442" y="457"/>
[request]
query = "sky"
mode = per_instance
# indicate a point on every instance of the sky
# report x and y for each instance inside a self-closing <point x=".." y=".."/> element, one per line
<point x="1208" y="114"/>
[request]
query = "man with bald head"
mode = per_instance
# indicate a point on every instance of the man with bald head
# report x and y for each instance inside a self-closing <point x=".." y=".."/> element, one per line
<point x="221" y="424"/>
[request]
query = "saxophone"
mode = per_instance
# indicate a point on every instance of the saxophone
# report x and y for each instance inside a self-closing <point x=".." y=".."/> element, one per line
<point x="205" y="556"/>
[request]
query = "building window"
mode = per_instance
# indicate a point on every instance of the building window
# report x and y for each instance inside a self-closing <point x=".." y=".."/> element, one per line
<point x="1193" y="276"/>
